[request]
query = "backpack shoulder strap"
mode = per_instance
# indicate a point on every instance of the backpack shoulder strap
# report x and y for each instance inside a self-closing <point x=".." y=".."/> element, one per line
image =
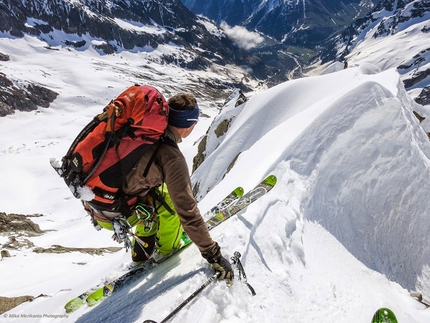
<point x="163" y="140"/>
<point x="154" y="155"/>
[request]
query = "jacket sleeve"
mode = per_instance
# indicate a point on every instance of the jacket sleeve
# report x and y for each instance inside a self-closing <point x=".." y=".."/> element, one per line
<point x="178" y="183"/>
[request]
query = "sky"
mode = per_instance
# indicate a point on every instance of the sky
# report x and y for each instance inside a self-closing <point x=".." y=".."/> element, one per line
<point x="343" y="233"/>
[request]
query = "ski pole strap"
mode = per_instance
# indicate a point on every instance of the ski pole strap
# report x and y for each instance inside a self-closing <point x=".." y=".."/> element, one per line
<point x="236" y="261"/>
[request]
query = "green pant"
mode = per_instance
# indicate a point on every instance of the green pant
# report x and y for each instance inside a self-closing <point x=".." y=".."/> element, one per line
<point x="164" y="233"/>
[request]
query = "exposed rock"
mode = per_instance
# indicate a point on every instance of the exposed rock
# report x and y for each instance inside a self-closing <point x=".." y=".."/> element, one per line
<point x="76" y="44"/>
<point x="419" y="117"/>
<point x="18" y="228"/>
<point x="241" y="99"/>
<point x="196" y="188"/>
<point x="18" y="223"/>
<point x="232" y="163"/>
<point x="200" y="156"/>
<point x="17" y="242"/>
<point x="4" y="57"/>
<point x="5" y="254"/>
<point x="91" y="251"/>
<point x="7" y="303"/>
<point x="222" y="128"/>
<point x="41" y="96"/>
<point x="23" y="97"/>
<point x="424" y="97"/>
<point x="416" y="78"/>
<point x="106" y="48"/>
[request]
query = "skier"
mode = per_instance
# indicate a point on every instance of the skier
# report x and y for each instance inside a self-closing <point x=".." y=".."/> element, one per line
<point x="166" y="205"/>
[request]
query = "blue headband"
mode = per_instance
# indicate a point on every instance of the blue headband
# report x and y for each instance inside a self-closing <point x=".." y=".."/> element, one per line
<point x="183" y="118"/>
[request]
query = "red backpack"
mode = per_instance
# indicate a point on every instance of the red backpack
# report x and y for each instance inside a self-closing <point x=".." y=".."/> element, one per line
<point x="107" y="149"/>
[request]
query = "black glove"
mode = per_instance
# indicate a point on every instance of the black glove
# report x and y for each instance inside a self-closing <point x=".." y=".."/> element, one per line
<point x="220" y="264"/>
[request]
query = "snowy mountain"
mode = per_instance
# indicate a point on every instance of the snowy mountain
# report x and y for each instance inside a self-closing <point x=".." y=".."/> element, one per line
<point x="343" y="233"/>
<point x="161" y="32"/>
<point x="303" y="23"/>
<point x="394" y="35"/>
<point x="293" y="31"/>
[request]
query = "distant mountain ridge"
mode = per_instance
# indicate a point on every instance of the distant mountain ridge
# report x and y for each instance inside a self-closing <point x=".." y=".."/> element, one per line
<point x="165" y="29"/>
<point x="304" y="23"/>
<point x="126" y="25"/>
<point x="111" y="27"/>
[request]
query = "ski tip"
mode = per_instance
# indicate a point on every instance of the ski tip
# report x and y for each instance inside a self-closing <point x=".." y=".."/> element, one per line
<point x="270" y="180"/>
<point x="73" y="305"/>
<point x="239" y="191"/>
<point x="98" y="295"/>
<point x="384" y="315"/>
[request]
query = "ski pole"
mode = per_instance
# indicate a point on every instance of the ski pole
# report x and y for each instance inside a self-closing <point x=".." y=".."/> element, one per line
<point x="236" y="261"/>
<point x="189" y="299"/>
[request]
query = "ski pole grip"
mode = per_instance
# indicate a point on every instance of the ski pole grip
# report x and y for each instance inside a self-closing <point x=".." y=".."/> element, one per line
<point x="235" y="257"/>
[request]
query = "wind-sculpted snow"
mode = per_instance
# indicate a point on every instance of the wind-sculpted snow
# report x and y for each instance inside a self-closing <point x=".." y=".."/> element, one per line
<point x="372" y="207"/>
<point x="278" y="115"/>
<point x="361" y="157"/>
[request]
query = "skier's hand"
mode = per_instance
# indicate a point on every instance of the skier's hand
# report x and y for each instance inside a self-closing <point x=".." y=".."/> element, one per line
<point x="224" y="270"/>
<point x="220" y="265"/>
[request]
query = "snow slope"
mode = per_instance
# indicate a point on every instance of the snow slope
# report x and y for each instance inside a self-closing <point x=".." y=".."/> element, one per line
<point x="344" y="232"/>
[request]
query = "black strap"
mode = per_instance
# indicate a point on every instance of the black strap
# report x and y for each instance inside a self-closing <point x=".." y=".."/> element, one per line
<point x="159" y="198"/>
<point x="124" y="131"/>
<point x="107" y="143"/>
<point x="154" y="155"/>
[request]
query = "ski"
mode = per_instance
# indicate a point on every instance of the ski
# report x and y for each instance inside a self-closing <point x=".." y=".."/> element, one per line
<point x="225" y="202"/>
<point x="265" y="186"/>
<point x="94" y="295"/>
<point x="229" y="206"/>
<point x="99" y="294"/>
<point x="384" y="315"/>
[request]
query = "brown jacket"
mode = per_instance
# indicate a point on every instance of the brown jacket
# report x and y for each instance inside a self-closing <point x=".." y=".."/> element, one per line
<point x="170" y="166"/>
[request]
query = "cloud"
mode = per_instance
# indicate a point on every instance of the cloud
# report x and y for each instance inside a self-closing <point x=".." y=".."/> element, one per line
<point x="241" y="36"/>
